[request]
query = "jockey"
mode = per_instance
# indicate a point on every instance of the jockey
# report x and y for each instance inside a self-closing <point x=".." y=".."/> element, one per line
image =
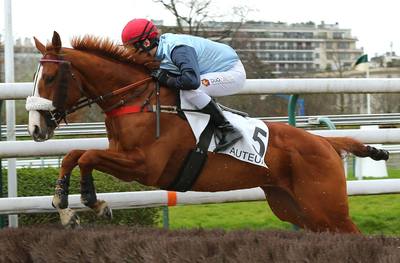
<point x="198" y="67"/>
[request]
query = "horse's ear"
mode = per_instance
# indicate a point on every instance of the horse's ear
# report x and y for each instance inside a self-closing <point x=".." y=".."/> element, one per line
<point x="40" y="46"/>
<point x="56" y="41"/>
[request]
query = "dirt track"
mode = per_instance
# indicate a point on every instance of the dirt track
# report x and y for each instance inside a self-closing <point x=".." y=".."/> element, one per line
<point x="130" y="244"/>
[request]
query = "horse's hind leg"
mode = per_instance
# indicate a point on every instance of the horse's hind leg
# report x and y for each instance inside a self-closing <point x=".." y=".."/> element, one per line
<point x="312" y="214"/>
<point x="284" y="205"/>
<point x="68" y="217"/>
<point x="319" y="188"/>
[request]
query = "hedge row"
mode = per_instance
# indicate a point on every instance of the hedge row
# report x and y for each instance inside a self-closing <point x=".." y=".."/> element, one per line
<point x="38" y="182"/>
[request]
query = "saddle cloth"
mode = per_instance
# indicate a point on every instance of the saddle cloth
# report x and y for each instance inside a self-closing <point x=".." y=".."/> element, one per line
<point x="251" y="148"/>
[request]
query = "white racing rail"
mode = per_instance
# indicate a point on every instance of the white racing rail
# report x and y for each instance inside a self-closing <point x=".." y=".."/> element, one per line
<point x="127" y="200"/>
<point x="156" y="198"/>
<point x="15" y="149"/>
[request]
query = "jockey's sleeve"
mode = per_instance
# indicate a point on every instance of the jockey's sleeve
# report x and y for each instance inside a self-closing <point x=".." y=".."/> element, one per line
<point x="185" y="58"/>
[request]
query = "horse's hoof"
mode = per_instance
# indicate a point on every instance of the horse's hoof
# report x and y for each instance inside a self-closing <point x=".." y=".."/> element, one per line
<point x="69" y="218"/>
<point x="107" y="213"/>
<point x="103" y="210"/>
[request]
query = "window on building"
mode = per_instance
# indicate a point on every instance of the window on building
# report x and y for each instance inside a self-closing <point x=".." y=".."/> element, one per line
<point x="277" y="34"/>
<point x="342" y="45"/>
<point x="337" y="35"/>
<point x="344" y="56"/>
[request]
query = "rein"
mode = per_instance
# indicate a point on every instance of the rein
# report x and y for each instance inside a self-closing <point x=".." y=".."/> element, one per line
<point x="87" y="102"/>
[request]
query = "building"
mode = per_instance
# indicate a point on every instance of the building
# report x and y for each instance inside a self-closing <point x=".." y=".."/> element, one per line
<point x="289" y="48"/>
<point x="387" y="60"/>
<point x="26" y="59"/>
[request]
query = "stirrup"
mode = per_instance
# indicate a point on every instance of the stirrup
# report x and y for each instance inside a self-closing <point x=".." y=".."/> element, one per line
<point x="229" y="143"/>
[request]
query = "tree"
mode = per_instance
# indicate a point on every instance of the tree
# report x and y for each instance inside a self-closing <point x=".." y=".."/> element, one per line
<point x="196" y="13"/>
<point x="195" y="16"/>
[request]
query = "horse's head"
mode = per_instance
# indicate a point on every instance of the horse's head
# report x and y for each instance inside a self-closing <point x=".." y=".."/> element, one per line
<point x="56" y="89"/>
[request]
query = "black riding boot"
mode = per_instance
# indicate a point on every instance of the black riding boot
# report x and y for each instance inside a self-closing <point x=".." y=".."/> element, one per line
<point x="228" y="134"/>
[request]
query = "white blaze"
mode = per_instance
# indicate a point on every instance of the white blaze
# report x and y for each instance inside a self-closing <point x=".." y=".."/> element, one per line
<point x="35" y="103"/>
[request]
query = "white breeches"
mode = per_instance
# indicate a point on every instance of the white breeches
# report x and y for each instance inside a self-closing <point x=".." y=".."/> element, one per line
<point x="217" y="84"/>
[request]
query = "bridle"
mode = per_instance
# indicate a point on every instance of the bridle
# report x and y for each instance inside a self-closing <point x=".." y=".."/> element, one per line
<point x="54" y="117"/>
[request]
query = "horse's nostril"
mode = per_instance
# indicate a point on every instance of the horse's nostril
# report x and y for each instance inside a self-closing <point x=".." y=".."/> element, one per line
<point x="36" y="130"/>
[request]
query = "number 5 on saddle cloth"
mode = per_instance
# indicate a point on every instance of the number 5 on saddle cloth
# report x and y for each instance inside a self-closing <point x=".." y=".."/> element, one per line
<point x="251" y="148"/>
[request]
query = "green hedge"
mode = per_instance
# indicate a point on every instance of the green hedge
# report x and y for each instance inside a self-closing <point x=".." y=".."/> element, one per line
<point x="38" y="182"/>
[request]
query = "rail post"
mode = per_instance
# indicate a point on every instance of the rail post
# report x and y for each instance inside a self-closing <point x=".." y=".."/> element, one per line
<point x="1" y="170"/>
<point x="292" y="109"/>
<point x="165" y="217"/>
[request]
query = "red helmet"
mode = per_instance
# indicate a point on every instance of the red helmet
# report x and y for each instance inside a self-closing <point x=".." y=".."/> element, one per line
<point x="138" y="29"/>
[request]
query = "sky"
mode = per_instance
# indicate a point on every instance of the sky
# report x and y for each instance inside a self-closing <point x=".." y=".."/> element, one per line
<point x="374" y="23"/>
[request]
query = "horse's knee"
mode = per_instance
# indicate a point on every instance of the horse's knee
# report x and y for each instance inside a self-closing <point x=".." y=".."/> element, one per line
<point x="71" y="159"/>
<point x="87" y="159"/>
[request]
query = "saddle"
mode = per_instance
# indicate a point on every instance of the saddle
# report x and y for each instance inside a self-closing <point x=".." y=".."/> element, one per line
<point x="251" y="148"/>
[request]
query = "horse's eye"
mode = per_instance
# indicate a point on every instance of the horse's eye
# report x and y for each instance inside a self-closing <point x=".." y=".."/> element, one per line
<point x="49" y="79"/>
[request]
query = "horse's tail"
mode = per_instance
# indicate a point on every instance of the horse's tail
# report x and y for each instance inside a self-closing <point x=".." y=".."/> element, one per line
<point x="357" y="148"/>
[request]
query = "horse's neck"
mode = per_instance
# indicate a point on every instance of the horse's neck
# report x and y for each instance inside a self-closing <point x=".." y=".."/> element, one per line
<point x="104" y="75"/>
<point x="102" y="72"/>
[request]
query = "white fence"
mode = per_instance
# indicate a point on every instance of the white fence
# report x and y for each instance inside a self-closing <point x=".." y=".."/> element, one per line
<point x="267" y="86"/>
<point x="11" y="149"/>
<point x="126" y="200"/>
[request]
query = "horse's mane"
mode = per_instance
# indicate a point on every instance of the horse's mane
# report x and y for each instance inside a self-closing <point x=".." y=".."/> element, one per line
<point x="107" y="48"/>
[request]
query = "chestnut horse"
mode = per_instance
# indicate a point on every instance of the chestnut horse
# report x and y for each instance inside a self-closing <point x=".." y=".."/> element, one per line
<point x="304" y="183"/>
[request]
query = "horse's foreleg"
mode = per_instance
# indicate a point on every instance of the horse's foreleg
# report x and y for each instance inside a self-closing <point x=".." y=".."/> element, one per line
<point x="117" y="164"/>
<point x="89" y="197"/>
<point x="68" y="217"/>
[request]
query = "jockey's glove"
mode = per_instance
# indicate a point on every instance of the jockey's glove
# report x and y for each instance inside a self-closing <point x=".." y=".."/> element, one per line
<point x="162" y="76"/>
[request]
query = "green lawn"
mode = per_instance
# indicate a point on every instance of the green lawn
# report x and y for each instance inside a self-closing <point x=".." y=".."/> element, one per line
<point x="373" y="214"/>
<point x="378" y="214"/>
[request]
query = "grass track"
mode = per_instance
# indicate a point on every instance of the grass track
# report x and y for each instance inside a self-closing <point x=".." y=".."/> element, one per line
<point x="377" y="214"/>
